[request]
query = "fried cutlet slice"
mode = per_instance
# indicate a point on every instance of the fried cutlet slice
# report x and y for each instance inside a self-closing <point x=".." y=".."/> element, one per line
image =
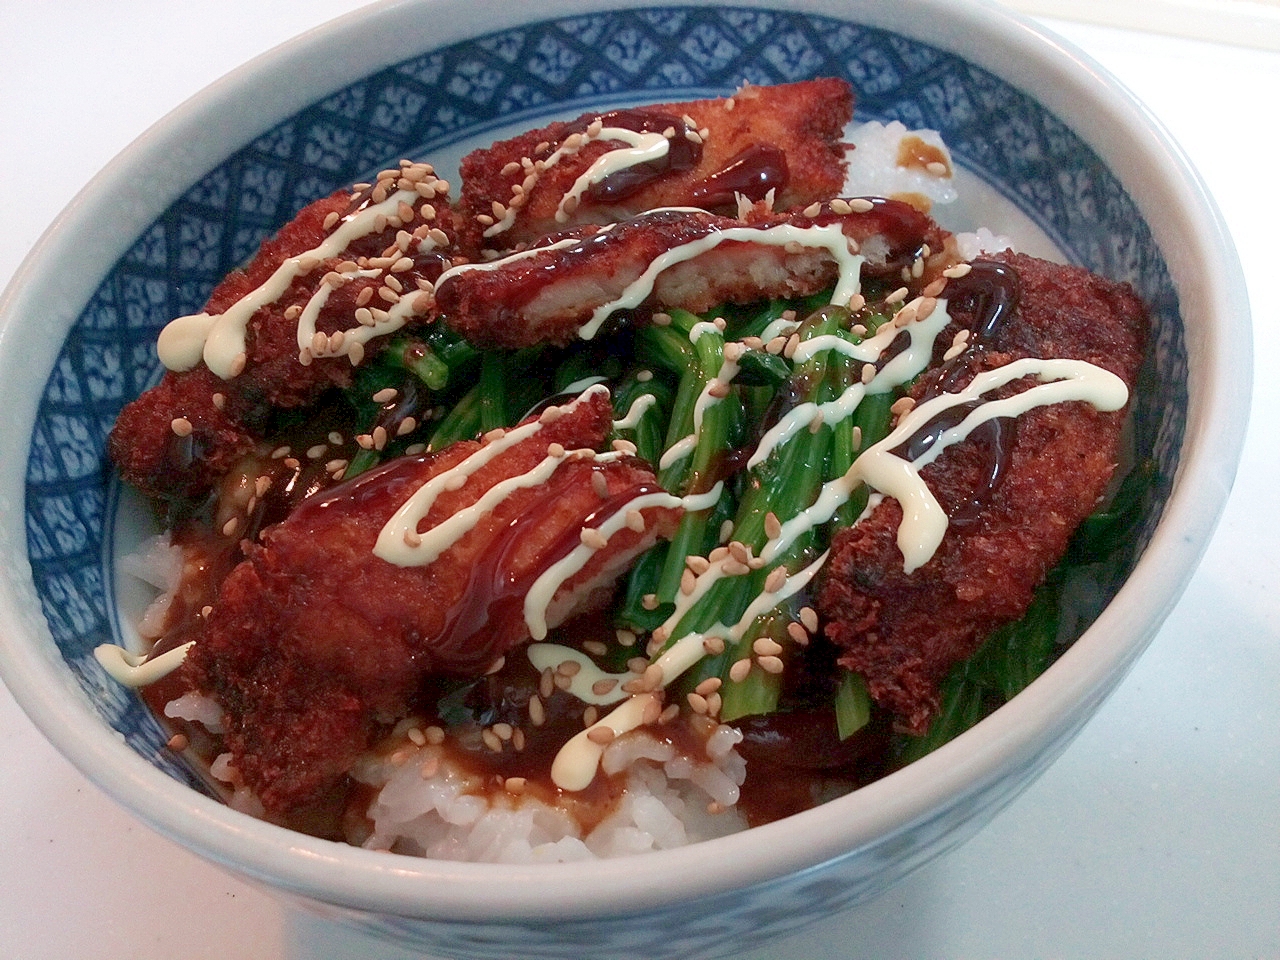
<point x="783" y="138"/>
<point x="903" y="632"/>
<point x="680" y="258"/>
<point x="314" y="640"/>
<point x="178" y="437"/>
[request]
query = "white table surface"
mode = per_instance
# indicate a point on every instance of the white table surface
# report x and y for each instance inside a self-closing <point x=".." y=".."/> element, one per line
<point x="1157" y="834"/>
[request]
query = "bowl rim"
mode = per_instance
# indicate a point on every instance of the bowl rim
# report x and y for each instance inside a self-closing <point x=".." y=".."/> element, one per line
<point x="1171" y="196"/>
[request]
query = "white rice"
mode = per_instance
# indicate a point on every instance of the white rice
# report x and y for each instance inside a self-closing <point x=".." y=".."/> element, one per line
<point x="453" y="814"/>
<point x="198" y="708"/>
<point x="977" y="242"/>
<point x="874" y="169"/>
<point x="158" y="563"/>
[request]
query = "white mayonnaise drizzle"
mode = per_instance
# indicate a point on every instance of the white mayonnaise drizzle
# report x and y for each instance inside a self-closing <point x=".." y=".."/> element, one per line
<point x="548" y="656"/>
<point x="924" y="522"/>
<point x="903" y="367"/>
<point x="639" y="407"/>
<point x="575" y="764"/>
<point x="220" y="340"/>
<point x="452" y="529"/>
<point x="781" y="327"/>
<point x="138" y="670"/>
<point x="501" y="262"/>
<point x="399" y="541"/>
<point x="642" y="148"/>
<point x="310" y="313"/>
<point x="725" y="375"/>
<point x="544" y="588"/>
<point x="829" y="237"/>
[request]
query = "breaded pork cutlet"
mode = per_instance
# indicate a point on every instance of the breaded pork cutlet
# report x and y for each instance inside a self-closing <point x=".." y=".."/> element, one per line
<point x="678" y="258"/>
<point x="317" y="298"/>
<point x="315" y="636"/>
<point x="1011" y="516"/>
<point x="784" y="139"/>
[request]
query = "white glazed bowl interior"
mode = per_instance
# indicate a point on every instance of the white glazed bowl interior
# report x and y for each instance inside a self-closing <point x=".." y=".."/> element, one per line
<point x="355" y="88"/>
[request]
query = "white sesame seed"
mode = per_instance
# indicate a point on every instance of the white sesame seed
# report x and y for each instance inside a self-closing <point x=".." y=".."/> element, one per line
<point x="935" y="287"/>
<point x="653" y="676"/>
<point x="772" y="665"/>
<point x="772" y="525"/>
<point x="601" y="735"/>
<point x="602" y="687"/>
<point x="766" y="647"/>
<point x="902" y="406"/>
<point x="809" y="617"/>
<point x="776" y="580"/>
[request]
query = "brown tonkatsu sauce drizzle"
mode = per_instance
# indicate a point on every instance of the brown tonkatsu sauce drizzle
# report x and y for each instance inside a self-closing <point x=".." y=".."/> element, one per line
<point x="752" y="173"/>
<point x="682" y="153"/>
<point x="494" y="604"/>
<point x="914" y="152"/>
<point x="992" y="291"/>
<point x="492" y="609"/>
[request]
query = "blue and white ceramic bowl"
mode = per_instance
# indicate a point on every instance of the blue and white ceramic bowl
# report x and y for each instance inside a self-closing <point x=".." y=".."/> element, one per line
<point x="1049" y="149"/>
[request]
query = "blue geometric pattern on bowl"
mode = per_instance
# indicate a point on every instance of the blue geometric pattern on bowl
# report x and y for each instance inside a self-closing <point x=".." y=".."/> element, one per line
<point x="457" y="94"/>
